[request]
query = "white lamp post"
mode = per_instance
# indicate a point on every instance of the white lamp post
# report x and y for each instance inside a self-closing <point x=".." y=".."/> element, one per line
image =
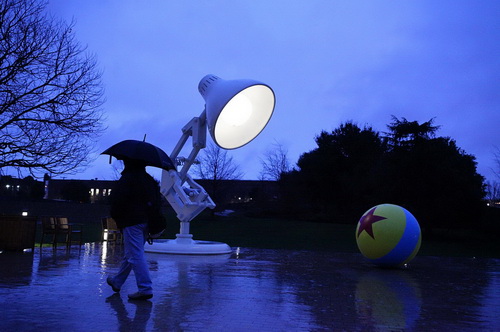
<point x="236" y="111"/>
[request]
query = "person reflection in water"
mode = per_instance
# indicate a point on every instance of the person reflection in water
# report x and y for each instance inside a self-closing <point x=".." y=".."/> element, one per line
<point x="135" y="196"/>
<point x="141" y="317"/>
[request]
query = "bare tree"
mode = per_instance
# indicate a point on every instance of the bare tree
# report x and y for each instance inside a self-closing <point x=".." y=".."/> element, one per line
<point x="492" y="192"/>
<point x="50" y="92"/>
<point x="275" y="162"/>
<point x="497" y="161"/>
<point x="215" y="164"/>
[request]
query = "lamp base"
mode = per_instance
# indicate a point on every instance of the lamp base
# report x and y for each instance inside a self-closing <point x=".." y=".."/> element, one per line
<point x="185" y="245"/>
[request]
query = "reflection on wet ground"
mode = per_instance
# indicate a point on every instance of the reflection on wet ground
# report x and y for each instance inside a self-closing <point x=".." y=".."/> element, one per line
<point x="248" y="290"/>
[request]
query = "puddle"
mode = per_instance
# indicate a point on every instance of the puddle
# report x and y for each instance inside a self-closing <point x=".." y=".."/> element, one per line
<point x="248" y="290"/>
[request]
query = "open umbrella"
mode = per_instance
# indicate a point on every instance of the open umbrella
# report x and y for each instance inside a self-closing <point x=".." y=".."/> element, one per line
<point x="150" y="154"/>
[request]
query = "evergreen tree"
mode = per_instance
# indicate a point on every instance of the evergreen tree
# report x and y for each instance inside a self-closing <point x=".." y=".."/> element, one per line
<point x="353" y="169"/>
<point x="432" y="177"/>
<point x="341" y="174"/>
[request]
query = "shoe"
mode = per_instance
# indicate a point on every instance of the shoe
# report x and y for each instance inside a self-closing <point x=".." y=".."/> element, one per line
<point x="109" y="280"/>
<point x="139" y="296"/>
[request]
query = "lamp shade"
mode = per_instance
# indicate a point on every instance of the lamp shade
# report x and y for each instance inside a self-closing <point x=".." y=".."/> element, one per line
<point x="237" y="110"/>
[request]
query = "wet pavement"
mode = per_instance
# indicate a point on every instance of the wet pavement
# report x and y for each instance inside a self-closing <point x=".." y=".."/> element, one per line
<point x="248" y="290"/>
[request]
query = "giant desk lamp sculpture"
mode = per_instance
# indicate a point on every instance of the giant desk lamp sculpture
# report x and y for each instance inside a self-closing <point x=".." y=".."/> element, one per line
<point x="235" y="113"/>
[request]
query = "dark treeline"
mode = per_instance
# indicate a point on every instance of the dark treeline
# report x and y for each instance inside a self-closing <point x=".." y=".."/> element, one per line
<point x="354" y="168"/>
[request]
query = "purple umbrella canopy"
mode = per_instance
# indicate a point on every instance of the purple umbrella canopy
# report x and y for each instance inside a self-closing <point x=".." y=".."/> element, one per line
<point x="150" y="154"/>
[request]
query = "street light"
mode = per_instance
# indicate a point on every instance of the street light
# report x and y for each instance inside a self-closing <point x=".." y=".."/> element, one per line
<point x="236" y="111"/>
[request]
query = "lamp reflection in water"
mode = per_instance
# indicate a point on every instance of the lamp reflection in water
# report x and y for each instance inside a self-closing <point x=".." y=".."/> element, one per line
<point x="236" y="111"/>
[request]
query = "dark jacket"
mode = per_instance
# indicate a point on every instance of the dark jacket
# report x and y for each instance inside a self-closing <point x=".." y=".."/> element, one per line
<point x="134" y="197"/>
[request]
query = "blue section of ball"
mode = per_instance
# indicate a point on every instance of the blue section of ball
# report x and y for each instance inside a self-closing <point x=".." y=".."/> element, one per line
<point x="407" y="245"/>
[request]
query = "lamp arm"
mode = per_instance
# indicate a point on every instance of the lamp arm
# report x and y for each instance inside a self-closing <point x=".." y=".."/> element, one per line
<point x="187" y="198"/>
<point x="197" y="129"/>
<point x="185" y="195"/>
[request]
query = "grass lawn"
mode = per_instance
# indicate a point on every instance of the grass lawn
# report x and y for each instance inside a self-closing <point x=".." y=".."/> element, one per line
<point x="276" y="233"/>
<point x="303" y="235"/>
<point x="240" y="231"/>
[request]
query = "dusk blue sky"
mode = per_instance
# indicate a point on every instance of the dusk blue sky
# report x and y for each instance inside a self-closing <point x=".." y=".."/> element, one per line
<point x="327" y="61"/>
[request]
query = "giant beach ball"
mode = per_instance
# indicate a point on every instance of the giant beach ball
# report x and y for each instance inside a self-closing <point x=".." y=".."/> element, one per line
<point x="388" y="235"/>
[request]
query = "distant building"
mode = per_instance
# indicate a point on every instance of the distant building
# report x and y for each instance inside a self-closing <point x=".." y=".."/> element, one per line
<point x="93" y="191"/>
<point x="20" y="188"/>
<point x="241" y="191"/>
<point x="222" y="191"/>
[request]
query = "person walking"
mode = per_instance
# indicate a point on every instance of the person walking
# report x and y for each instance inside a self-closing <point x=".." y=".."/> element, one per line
<point x="135" y="197"/>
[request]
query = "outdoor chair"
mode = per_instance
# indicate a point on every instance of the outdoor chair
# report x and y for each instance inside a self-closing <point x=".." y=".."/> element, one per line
<point x="110" y="231"/>
<point x="59" y="227"/>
